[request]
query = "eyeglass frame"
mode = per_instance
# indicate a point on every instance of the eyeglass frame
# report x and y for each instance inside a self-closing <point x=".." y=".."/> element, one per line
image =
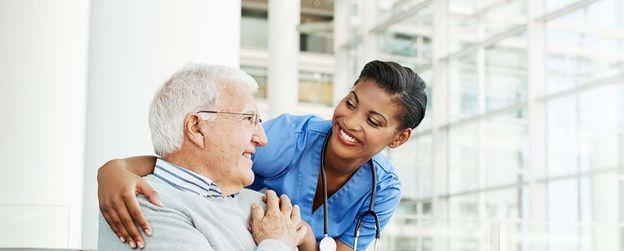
<point x="257" y="121"/>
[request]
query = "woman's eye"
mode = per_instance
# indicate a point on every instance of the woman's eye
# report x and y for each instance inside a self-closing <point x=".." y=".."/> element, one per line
<point x="350" y="104"/>
<point x="373" y="123"/>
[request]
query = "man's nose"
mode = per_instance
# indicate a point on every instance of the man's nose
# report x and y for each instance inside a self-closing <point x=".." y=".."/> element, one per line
<point x="259" y="136"/>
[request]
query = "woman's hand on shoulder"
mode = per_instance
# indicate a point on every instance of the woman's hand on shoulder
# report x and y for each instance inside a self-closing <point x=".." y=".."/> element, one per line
<point x="117" y="190"/>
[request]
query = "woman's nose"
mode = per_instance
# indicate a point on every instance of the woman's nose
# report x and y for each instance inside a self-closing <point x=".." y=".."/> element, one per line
<point x="352" y="123"/>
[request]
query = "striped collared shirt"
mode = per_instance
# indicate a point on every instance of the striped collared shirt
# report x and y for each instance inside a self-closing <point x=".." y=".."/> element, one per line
<point x="187" y="180"/>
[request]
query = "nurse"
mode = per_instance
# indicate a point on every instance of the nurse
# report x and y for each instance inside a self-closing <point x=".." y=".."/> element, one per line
<point x="385" y="104"/>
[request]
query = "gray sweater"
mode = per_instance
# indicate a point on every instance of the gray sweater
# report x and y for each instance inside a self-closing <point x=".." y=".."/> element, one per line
<point x="190" y="222"/>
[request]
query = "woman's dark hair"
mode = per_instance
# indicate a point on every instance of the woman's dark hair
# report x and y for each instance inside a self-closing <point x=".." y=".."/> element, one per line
<point x="403" y="83"/>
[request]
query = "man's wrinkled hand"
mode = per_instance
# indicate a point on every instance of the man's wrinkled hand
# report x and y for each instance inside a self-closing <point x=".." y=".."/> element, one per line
<point x="281" y="221"/>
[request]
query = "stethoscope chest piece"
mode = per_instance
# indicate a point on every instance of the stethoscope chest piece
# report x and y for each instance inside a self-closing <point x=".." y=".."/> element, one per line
<point x="327" y="244"/>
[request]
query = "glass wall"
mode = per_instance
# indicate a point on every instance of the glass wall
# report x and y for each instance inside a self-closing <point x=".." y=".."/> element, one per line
<point x="522" y="147"/>
<point x="315" y="44"/>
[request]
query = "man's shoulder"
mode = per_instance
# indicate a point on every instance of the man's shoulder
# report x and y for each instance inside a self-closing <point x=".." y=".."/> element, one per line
<point x="168" y="194"/>
<point x="188" y="203"/>
<point x="176" y="203"/>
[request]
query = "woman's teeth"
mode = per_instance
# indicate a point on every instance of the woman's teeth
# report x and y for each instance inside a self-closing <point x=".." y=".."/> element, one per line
<point x="247" y="155"/>
<point x="348" y="138"/>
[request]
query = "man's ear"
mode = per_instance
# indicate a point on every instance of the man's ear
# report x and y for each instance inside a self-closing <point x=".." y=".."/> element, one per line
<point x="192" y="130"/>
<point x="400" y="138"/>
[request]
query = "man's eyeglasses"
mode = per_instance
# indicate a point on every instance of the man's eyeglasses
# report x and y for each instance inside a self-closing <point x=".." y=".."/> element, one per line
<point x="254" y="118"/>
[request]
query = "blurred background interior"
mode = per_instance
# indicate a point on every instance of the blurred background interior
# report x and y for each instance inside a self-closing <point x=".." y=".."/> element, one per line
<point x="522" y="147"/>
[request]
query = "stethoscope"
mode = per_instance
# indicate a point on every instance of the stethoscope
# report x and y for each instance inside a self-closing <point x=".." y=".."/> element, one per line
<point x="328" y="243"/>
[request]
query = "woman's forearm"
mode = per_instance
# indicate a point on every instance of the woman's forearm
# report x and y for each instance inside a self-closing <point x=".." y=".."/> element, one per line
<point x="139" y="165"/>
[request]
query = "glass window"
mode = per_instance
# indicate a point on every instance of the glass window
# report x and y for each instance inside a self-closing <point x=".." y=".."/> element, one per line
<point x="585" y="131"/>
<point x="260" y="75"/>
<point x="404" y="158"/>
<point x="413" y="162"/>
<point x="408" y="40"/>
<point x="315" y="88"/>
<point x="254" y="29"/>
<point x="463" y="158"/>
<point x="562" y="136"/>
<point x="316" y="43"/>
<point x="463" y="91"/>
<point x="601" y="124"/>
<point x="463" y="228"/>
<point x="473" y="21"/>
<point x="505" y="148"/>
<point x="585" y="45"/>
<point x="503" y="205"/>
<point x="563" y="213"/>
<point x="317" y="34"/>
<point x="576" y="202"/>
<point x="505" y="73"/>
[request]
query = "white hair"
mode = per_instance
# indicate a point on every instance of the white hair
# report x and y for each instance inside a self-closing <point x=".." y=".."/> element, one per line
<point x="193" y="88"/>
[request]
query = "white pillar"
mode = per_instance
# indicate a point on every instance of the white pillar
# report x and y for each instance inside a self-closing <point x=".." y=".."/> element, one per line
<point x="134" y="47"/>
<point x="536" y="211"/>
<point x="43" y="56"/>
<point x="368" y="47"/>
<point x="283" y="70"/>
<point x="341" y="83"/>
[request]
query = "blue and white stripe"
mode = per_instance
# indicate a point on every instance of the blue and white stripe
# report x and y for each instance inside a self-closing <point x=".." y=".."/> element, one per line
<point x="186" y="180"/>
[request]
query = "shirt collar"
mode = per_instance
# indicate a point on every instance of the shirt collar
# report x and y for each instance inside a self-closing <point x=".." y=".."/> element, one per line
<point x="186" y="180"/>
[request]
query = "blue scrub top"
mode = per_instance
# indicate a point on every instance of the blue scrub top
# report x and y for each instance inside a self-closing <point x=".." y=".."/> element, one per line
<point x="290" y="164"/>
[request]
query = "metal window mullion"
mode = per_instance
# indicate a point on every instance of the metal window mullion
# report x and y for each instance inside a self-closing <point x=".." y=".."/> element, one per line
<point x="440" y="99"/>
<point x="481" y="173"/>
<point x="537" y="155"/>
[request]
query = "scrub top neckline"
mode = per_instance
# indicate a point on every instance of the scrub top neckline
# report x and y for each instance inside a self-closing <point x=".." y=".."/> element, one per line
<point x="348" y="187"/>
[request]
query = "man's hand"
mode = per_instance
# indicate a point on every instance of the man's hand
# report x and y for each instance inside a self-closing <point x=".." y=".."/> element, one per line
<point x="117" y="190"/>
<point x="281" y="222"/>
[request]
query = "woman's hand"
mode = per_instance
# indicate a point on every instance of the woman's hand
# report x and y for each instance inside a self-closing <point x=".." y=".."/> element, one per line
<point x="308" y="242"/>
<point x="117" y="190"/>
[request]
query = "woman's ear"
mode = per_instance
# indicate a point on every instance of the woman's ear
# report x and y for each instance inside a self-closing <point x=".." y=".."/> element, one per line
<point x="400" y="138"/>
<point x="192" y="130"/>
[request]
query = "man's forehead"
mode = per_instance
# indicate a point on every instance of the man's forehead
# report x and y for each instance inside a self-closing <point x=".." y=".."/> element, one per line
<point x="250" y="108"/>
<point x="239" y="99"/>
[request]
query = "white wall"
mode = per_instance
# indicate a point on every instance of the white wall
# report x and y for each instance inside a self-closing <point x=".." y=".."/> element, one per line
<point x="43" y="64"/>
<point x="77" y="79"/>
<point x="134" y="47"/>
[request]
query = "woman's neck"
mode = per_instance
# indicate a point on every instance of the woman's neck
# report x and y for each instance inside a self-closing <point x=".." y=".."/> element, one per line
<point x="337" y="167"/>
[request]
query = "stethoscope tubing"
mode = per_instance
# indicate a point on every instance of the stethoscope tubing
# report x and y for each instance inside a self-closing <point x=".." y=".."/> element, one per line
<point x="360" y="218"/>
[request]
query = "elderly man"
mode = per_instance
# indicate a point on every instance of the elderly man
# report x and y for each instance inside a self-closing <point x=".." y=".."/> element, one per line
<point x="205" y="127"/>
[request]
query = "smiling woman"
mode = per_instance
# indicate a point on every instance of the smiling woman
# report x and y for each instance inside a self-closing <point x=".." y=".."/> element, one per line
<point x="386" y="103"/>
<point x="366" y="121"/>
